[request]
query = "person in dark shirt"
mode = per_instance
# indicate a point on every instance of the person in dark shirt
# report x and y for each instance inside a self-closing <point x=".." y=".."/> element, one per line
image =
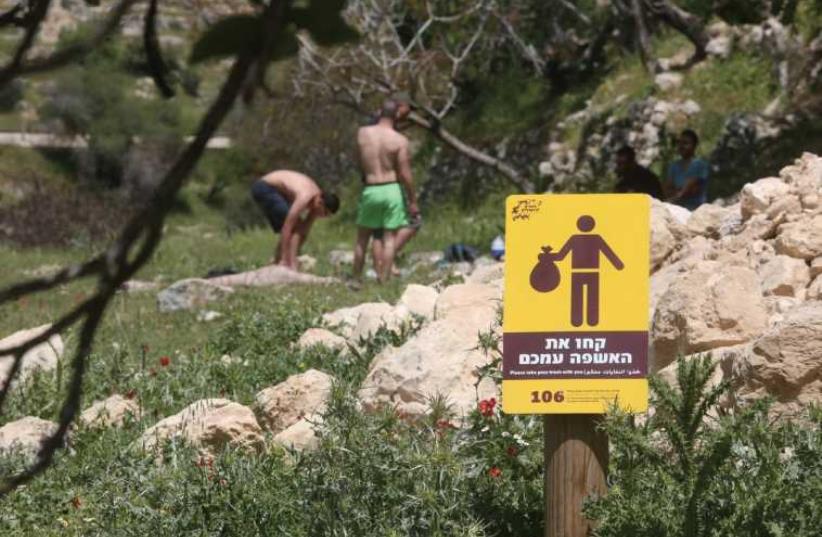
<point x="633" y="177"/>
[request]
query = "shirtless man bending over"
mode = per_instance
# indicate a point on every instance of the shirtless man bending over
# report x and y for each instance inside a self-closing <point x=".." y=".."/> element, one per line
<point x="385" y="161"/>
<point x="291" y="201"/>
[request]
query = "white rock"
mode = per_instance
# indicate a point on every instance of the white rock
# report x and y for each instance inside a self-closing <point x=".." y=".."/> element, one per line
<point x="320" y="336"/>
<point x="111" y="412"/>
<point x="271" y="275"/>
<point x="420" y="300"/>
<point x="208" y="316"/>
<point x="42" y="357"/>
<point x="301" y="436"/>
<point x="785" y="362"/>
<point x="283" y="405"/>
<point x="802" y="238"/>
<point x="25" y="436"/>
<point x="210" y="425"/>
<point x="784" y="276"/>
<point x="365" y="319"/>
<point x="492" y="274"/>
<point x="190" y="294"/>
<point x="707" y="220"/>
<point x="814" y="291"/>
<point x="757" y="197"/>
<point x="712" y="305"/>
<point x="468" y="299"/>
<point x="720" y="47"/>
<point x="440" y="360"/>
<point x="668" y="81"/>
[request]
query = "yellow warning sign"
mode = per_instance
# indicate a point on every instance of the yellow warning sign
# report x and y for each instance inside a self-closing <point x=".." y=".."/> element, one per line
<point x="576" y="303"/>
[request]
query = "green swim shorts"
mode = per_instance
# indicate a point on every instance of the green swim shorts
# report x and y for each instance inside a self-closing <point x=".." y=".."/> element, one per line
<point x="382" y="207"/>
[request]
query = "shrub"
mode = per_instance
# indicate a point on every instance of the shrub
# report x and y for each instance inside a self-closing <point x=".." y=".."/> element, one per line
<point x="692" y="470"/>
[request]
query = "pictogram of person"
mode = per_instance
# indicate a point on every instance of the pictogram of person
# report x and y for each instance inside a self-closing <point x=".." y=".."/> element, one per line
<point x="585" y="250"/>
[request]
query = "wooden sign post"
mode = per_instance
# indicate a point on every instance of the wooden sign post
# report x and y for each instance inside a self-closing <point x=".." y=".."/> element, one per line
<point x="575" y="332"/>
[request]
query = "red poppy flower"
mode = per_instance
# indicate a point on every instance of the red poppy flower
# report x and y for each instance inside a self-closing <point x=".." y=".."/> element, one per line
<point x="494" y="472"/>
<point x="512" y="451"/>
<point x="165" y="361"/>
<point x="131" y="394"/>
<point x="76" y="502"/>
<point x="486" y="407"/>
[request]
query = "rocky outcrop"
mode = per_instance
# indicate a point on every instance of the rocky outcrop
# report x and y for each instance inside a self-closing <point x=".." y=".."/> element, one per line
<point x="468" y="299"/>
<point x="786" y="362"/>
<point x="209" y="425"/>
<point x="364" y="320"/>
<point x="42" y="357"/>
<point x="112" y="412"/>
<point x="784" y="276"/>
<point x="801" y="238"/>
<point x="442" y="359"/>
<point x="297" y="398"/>
<point x="420" y="300"/>
<point x="191" y="294"/>
<point x="25" y="436"/>
<point x="711" y="305"/>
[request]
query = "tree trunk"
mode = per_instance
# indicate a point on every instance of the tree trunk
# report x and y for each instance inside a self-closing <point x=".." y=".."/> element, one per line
<point x="683" y="22"/>
<point x="436" y="128"/>
<point x="643" y="41"/>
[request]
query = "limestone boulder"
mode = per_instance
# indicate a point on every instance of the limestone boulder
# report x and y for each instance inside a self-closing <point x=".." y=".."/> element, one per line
<point x="805" y="177"/>
<point x="801" y="238"/>
<point x="440" y="360"/>
<point x="786" y="362"/>
<point x="708" y="220"/>
<point x="816" y="267"/>
<point x="668" y="81"/>
<point x="476" y="300"/>
<point x="111" y="412"/>
<point x="271" y="275"/>
<point x="666" y="231"/>
<point x="364" y="320"/>
<point x="209" y="425"/>
<point x="314" y="337"/>
<point x="757" y="197"/>
<point x="491" y="273"/>
<point x="25" y="436"/>
<point x="784" y="276"/>
<point x="711" y="305"/>
<point x="193" y="293"/>
<point x="42" y="357"/>
<point x="301" y="436"/>
<point x="420" y="300"/>
<point x="281" y="406"/>
<point x="814" y="291"/>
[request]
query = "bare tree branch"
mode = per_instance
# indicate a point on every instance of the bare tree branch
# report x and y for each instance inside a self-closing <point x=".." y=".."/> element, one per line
<point x="33" y="21"/>
<point x="69" y="54"/>
<point x="143" y="231"/>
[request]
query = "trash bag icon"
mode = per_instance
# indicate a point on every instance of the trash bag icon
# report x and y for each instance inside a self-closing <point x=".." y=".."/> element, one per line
<point x="545" y="275"/>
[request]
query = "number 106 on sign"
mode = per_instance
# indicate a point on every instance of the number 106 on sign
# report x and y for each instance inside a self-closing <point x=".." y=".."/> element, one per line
<point x="547" y="396"/>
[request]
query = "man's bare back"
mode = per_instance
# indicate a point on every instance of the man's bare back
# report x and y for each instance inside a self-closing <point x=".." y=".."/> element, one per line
<point x="380" y="149"/>
<point x="292" y="185"/>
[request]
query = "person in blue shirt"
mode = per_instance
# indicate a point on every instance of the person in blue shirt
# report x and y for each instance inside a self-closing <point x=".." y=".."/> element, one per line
<point x="688" y="177"/>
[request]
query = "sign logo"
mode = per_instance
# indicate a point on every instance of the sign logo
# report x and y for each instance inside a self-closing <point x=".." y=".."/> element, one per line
<point x="576" y="322"/>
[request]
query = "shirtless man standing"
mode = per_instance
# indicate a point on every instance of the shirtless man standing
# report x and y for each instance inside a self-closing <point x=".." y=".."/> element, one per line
<point x="385" y="161"/>
<point x="291" y="201"/>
